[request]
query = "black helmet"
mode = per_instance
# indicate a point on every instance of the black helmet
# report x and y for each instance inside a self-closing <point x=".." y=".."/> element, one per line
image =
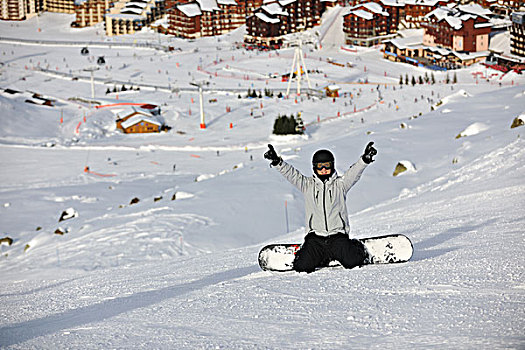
<point x="323" y="155"/>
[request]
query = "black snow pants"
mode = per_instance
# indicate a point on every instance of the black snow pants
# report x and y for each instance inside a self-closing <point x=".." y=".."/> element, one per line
<point x="318" y="251"/>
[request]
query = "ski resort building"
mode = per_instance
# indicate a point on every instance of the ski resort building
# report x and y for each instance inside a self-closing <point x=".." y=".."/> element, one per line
<point x="517" y="34"/>
<point x="60" y="6"/>
<point x="412" y="51"/>
<point x="129" y="16"/>
<point x="274" y="19"/>
<point x="503" y="7"/>
<point x="18" y="10"/>
<point x="90" y="12"/>
<point x="205" y="18"/>
<point x="416" y="10"/>
<point x="464" y="28"/>
<point x="368" y="24"/>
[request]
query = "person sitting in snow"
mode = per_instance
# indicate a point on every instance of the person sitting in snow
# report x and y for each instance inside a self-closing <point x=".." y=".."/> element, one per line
<point x="327" y="227"/>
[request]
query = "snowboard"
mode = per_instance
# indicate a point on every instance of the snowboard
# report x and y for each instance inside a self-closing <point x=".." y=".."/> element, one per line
<point x="387" y="249"/>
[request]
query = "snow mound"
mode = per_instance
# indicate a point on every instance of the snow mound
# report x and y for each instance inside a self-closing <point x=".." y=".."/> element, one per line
<point x="451" y="98"/>
<point x="472" y="130"/>
<point x="183" y="195"/>
<point x="520" y="95"/>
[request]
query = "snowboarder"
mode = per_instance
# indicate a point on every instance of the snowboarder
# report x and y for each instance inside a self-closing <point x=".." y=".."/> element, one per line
<point x="327" y="227"/>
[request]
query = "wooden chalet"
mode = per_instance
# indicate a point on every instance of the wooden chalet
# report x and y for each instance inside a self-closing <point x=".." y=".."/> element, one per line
<point x="368" y="25"/>
<point x="332" y="90"/>
<point x="137" y="121"/>
<point x="464" y="28"/>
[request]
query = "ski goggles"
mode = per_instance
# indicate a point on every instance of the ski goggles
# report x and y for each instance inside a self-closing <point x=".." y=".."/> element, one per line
<point x="326" y="165"/>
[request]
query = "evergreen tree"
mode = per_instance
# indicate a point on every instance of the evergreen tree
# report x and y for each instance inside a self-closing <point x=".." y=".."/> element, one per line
<point x="400" y="80"/>
<point x="420" y="80"/>
<point x="455" y="79"/>
<point x="406" y="79"/>
<point x="284" y="125"/>
<point x="413" y="81"/>
<point x="432" y="78"/>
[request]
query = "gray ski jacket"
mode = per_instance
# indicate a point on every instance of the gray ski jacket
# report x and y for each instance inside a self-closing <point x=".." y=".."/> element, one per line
<point x="325" y="203"/>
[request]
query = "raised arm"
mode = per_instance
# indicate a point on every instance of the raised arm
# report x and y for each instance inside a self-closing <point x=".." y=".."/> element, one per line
<point x="294" y="176"/>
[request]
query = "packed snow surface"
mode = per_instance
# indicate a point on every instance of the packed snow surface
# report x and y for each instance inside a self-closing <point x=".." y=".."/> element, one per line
<point x="160" y="246"/>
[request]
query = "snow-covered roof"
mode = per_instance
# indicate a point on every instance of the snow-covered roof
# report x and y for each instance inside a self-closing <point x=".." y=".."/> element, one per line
<point x="208" y="5"/>
<point x="456" y="16"/>
<point x="361" y="13"/>
<point x="373" y="7"/>
<point x="125" y="16"/>
<point x="393" y="2"/>
<point x="262" y="16"/>
<point x="131" y="10"/>
<point x="286" y="2"/>
<point x="483" y="25"/>
<point x="226" y="2"/>
<point x="136" y="4"/>
<point x="422" y="2"/>
<point x="137" y="119"/>
<point x="190" y="10"/>
<point x="368" y="12"/>
<point x="475" y="9"/>
<point x="411" y="42"/>
<point x="274" y="9"/>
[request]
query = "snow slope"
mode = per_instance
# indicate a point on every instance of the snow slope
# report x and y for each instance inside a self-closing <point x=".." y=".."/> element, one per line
<point x="179" y="268"/>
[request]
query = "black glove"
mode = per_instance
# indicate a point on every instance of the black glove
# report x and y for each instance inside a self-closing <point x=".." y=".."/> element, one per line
<point x="272" y="155"/>
<point x="370" y="151"/>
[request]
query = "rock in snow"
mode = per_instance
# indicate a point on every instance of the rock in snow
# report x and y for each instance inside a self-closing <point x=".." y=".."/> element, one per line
<point x="68" y="214"/>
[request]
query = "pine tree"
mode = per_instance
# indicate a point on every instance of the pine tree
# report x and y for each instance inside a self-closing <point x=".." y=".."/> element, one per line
<point x="455" y="79"/>
<point x="400" y="80"/>
<point x="406" y="79"/>
<point x="284" y="125"/>
<point x="413" y="81"/>
<point x="432" y="78"/>
<point x="420" y="80"/>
